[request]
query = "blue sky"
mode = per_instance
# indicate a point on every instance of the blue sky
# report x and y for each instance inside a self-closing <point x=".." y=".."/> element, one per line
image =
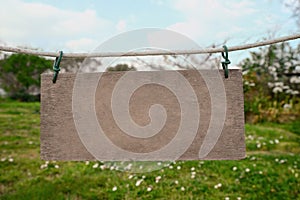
<point x="80" y="26"/>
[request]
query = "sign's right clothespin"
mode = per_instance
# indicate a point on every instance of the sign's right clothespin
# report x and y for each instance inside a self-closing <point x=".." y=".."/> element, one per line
<point x="56" y="68"/>
<point x="226" y="62"/>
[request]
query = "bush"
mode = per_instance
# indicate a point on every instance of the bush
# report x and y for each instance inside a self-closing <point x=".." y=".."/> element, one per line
<point x="20" y="75"/>
<point x="272" y="84"/>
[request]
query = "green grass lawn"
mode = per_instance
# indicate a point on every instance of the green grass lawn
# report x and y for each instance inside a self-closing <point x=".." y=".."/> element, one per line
<point x="270" y="171"/>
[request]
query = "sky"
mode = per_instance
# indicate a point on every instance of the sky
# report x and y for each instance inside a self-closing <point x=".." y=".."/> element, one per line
<point x="80" y="26"/>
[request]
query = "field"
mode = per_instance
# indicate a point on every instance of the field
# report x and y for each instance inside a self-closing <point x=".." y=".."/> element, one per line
<point x="270" y="171"/>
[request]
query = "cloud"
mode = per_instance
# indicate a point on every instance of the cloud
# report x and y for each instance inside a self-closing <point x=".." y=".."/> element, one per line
<point x="81" y="45"/>
<point x="43" y="25"/>
<point x="214" y="18"/>
<point x="215" y="21"/>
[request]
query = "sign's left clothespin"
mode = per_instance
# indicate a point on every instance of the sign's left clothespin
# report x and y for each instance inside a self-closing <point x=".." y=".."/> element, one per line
<point x="56" y="68"/>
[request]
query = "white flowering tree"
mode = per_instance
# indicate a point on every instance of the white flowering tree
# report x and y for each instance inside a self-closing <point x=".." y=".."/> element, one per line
<point x="272" y="79"/>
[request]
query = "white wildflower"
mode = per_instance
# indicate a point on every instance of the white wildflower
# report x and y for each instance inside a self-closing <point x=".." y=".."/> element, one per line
<point x="276" y="141"/>
<point x="138" y="182"/>
<point x="114" y="188"/>
<point x="157" y="179"/>
<point x="250" y="137"/>
<point x="247" y="170"/>
<point x="289" y="91"/>
<point x="234" y="168"/>
<point x="182" y="189"/>
<point x="130" y="176"/>
<point x="159" y="163"/>
<point x="3" y="159"/>
<point x="56" y="166"/>
<point x="272" y="68"/>
<point x="170" y="167"/>
<point x="176" y="182"/>
<point x="279" y="84"/>
<point x="270" y="85"/>
<point x="286" y="87"/>
<point x="193" y="169"/>
<point x="129" y="165"/>
<point x="238" y="198"/>
<point x="95" y="165"/>
<point x="295" y="79"/>
<point x="295" y="92"/>
<point x="277" y="90"/>
<point x="178" y="167"/>
<point x="282" y="161"/>
<point x="287" y="106"/>
<point x="10" y="160"/>
<point x="218" y="185"/>
<point x="149" y="189"/>
<point x="102" y="167"/>
<point x="87" y="162"/>
<point x="227" y="198"/>
<point x="44" y="166"/>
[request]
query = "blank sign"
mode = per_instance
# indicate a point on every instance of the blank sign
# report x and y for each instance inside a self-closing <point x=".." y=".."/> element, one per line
<point x="143" y="116"/>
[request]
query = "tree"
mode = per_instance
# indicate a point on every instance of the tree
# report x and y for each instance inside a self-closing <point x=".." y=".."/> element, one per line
<point x="121" y="67"/>
<point x="272" y="80"/>
<point x="294" y="5"/>
<point x="20" y="75"/>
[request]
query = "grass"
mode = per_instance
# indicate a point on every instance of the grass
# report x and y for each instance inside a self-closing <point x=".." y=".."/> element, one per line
<point x="270" y="171"/>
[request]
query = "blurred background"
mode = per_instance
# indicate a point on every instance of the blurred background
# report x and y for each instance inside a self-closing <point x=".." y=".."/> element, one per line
<point x="271" y="84"/>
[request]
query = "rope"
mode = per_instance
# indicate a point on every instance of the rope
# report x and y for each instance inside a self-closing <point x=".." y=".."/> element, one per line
<point x="150" y="52"/>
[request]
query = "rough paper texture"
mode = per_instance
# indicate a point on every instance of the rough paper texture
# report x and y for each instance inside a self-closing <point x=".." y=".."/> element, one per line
<point x="59" y="135"/>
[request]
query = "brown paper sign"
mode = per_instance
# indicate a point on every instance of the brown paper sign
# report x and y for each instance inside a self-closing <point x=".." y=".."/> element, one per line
<point x="157" y="115"/>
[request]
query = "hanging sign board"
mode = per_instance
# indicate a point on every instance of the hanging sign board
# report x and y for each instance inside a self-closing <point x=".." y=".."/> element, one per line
<point x="155" y="115"/>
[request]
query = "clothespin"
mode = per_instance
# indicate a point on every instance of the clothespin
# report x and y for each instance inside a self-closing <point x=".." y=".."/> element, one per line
<point x="56" y="68"/>
<point x="226" y="62"/>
